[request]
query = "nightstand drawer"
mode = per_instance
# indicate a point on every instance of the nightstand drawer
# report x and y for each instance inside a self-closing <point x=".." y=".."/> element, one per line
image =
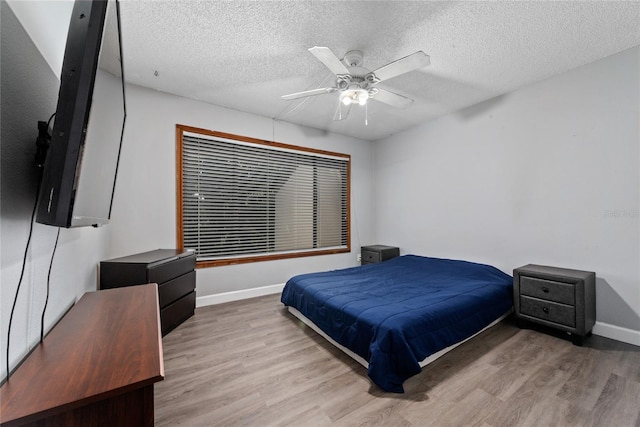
<point x="549" y="311"/>
<point x="370" y="257"/>
<point x="548" y="290"/>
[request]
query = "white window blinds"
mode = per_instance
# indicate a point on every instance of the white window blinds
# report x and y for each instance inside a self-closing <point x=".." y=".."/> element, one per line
<point x="242" y="199"/>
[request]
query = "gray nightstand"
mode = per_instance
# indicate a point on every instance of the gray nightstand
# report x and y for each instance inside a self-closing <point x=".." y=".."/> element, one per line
<point x="378" y="253"/>
<point x="557" y="297"/>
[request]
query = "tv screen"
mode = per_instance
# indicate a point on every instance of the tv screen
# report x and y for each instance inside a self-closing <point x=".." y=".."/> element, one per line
<point x="80" y="171"/>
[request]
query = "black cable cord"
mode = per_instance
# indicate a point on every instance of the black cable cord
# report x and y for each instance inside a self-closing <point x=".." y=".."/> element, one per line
<point x="26" y="249"/>
<point x="46" y="301"/>
<point x="24" y="263"/>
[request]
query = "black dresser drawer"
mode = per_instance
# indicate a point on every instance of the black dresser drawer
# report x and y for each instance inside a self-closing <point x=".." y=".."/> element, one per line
<point x="177" y="312"/>
<point x="172" y="290"/>
<point x="549" y="311"/>
<point x="168" y="270"/>
<point x="550" y="290"/>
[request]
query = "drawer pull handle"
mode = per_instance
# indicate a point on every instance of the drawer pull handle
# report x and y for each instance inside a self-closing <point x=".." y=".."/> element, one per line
<point x="545" y="290"/>
<point x="545" y="309"/>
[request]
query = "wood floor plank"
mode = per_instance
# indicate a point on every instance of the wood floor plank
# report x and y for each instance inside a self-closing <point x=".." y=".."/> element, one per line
<point x="251" y="363"/>
<point x="378" y="412"/>
<point x="618" y="403"/>
<point x="313" y="417"/>
<point x="554" y="412"/>
<point x="515" y="410"/>
<point x="585" y="385"/>
<point x="473" y="410"/>
<point x="627" y="368"/>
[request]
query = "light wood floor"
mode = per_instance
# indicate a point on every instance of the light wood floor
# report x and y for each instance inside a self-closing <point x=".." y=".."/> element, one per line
<point x="251" y="363"/>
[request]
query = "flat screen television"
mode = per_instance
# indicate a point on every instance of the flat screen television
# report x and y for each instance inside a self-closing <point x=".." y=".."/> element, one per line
<point x="80" y="170"/>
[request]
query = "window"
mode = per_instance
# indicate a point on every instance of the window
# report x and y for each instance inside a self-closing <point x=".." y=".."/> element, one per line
<point x="241" y="199"/>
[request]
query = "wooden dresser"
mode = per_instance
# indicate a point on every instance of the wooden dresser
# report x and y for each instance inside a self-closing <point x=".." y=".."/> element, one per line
<point x="557" y="297"/>
<point x="96" y="367"/>
<point x="171" y="269"/>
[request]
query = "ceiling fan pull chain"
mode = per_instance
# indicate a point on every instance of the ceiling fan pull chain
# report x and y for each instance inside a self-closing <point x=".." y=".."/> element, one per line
<point x="366" y="114"/>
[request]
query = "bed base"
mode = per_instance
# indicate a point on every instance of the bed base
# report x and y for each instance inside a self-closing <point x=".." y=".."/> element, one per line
<point x="364" y="363"/>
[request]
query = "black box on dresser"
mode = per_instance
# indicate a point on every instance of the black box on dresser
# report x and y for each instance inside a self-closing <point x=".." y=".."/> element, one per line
<point x="560" y="298"/>
<point x="174" y="272"/>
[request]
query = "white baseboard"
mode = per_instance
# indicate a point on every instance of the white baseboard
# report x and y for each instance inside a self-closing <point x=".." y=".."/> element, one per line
<point x="617" y="333"/>
<point x="238" y="295"/>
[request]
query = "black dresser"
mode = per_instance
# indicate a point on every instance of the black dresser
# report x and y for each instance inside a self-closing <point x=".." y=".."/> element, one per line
<point x="561" y="298"/>
<point x="171" y="269"/>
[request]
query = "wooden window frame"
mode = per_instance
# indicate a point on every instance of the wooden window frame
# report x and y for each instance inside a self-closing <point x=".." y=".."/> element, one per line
<point x="181" y="129"/>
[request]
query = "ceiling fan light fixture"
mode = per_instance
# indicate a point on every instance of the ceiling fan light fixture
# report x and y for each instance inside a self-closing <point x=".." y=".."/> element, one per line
<point x="354" y="96"/>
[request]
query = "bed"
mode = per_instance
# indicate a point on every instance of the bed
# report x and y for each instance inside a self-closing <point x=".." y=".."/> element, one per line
<point x="395" y="314"/>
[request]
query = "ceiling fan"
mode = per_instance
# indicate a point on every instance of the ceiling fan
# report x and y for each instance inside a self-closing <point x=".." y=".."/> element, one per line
<point x="357" y="84"/>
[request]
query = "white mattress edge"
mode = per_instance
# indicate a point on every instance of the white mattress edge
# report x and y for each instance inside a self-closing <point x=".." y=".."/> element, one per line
<point x="364" y="363"/>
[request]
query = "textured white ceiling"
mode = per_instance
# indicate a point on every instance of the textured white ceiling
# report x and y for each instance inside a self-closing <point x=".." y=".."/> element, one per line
<point x="246" y="54"/>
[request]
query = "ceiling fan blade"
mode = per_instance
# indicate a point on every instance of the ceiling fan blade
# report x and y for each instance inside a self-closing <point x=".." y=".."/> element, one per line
<point x="312" y="92"/>
<point x="329" y="59"/>
<point x="342" y="112"/>
<point x="392" y="99"/>
<point x="412" y="62"/>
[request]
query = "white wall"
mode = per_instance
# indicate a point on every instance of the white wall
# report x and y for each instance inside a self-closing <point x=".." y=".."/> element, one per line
<point x="144" y="208"/>
<point x="29" y="93"/>
<point x="547" y="174"/>
<point x="47" y="23"/>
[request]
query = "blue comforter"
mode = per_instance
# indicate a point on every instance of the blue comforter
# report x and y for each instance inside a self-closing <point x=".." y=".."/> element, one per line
<point x="396" y="313"/>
